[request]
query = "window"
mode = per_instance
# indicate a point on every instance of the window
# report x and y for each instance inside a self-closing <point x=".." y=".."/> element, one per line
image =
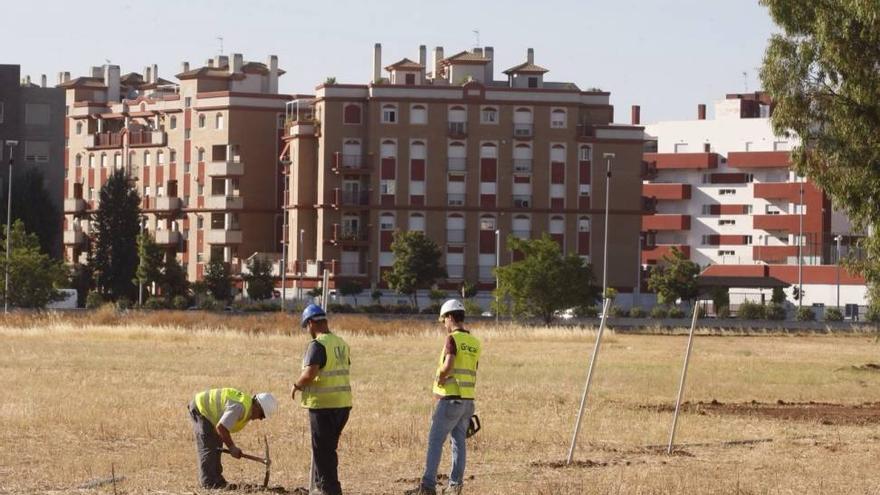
<point x="160" y="157"/>
<point x="146" y="191"/>
<point x="489" y="115"/>
<point x="706" y="240"/>
<point x="706" y="179"/>
<point x="727" y="192"/>
<point x="747" y="240"/>
<point x="91" y="192"/>
<point x="725" y="252"/>
<point x="91" y="161"/>
<point x="726" y="221"/>
<point x="78" y="161"/>
<point x="36" y="151"/>
<point x="36" y="114"/>
<point x="584" y="189"/>
<point x="389" y="114"/>
<point x="557" y="118"/>
<point x="585" y="153"/>
<point x="386" y="221"/>
<point x="410" y="79"/>
<point x="172" y="156"/>
<point x="79" y="128"/>
<point x="533" y="82"/>
<point x="386" y="187"/>
<point x="707" y="210"/>
<point x="172" y="122"/>
<point x="218" y="121"/>
<point x="351" y="114"/>
<point x="418" y="114"/>
<point x="749" y="178"/>
<point x="201" y="154"/>
<point x="186" y="134"/>
<point x="200" y="222"/>
<point x="147" y="160"/>
<point x="117" y="160"/>
<point x="748" y="210"/>
<point x="583" y="224"/>
<point x="202" y="120"/>
<point x="187" y="102"/>
<point x="487" y="223"/>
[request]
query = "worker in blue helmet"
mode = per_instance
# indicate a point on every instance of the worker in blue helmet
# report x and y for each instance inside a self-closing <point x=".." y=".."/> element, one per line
<point x="326" y="393"/>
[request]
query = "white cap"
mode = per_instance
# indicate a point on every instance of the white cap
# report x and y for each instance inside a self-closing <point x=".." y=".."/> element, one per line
<point x="267" y="403"/>
<point x="450" y="306"/>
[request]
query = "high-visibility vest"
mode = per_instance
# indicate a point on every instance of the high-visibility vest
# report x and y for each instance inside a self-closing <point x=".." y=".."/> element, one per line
<point x="463" y="380"/>
<point x="211" y="404"/>
<point x="331" y="387"/>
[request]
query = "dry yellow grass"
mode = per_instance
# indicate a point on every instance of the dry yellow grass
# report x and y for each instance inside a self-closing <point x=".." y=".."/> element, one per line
<point x="85" y="392"/>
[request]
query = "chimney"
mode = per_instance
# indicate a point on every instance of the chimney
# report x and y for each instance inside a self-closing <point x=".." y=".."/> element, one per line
<point x="43" y="81"/>
<point x="273" y="74"/>
<point x="423" y="60"/>
<point x="27" y="80"/>
<point x="701" y="111"/>
<point x="148" y="74"/>
<point x="60" y="78"/>
<point x="209" y="62"/>
<point x="636" y="115"/>
<point x="377" y="62"/>
<point x="97" y="71"/>
<point x="221" y="61"/>
<point x="155" y="73"/>
<point x="438" y="57"/>
<point x="67" y="77"/>
<point x="530" y="55"/>
<point x="111" y="80"/>
<point x="490" y="67"/>
<point x="184" y="67"/>
<point x="237" y="63"/>
<point x="478" y="51"/>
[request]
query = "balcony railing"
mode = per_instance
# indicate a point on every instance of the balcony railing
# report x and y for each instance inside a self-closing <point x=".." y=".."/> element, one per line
<point x="522" y="165"/>
<point x="455" y="271"/>
<point x="221" y="202"/>
<point x="457" y="129"/>
<point x="522" y="200"/>
<point x="455" y="235"/>
<point x="224" y="236"/>
<point x="455" y="164"/>
<point x="168" y="203"/>
<point x="225" y="168"/>
<point x="167" y="237"/>
<point x="74" y="237"/>
<point x="74" y="205"/>
<point x="455" y="199"/>
<point x="523" y="130"/>
<point x="351" y="163"/>
<point x="352" y="198"/>
<point x="350" y="269"/>
<point x="341" y="234"/>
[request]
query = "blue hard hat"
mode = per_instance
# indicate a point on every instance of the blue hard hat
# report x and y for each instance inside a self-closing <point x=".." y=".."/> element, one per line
<point x="312" y="312"/>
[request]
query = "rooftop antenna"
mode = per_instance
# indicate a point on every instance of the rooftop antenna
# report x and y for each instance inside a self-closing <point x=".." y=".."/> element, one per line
<point x="746" y="81"/>
<point x="220" y="39"/>
<point x="477" y="36"/>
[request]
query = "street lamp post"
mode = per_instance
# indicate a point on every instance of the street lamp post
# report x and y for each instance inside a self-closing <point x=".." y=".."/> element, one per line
<point x="497" y="266"/>
<point x="800" y="247"/>
<point x="838" y="238"/>
<point x="608" y="157"/>
<point x="11" y="145"/>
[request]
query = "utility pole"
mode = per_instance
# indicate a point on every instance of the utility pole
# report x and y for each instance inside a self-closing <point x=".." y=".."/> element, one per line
<point x="608" y="157"/>
<point x="11" y="145"/>
<point x="800" y="247"/>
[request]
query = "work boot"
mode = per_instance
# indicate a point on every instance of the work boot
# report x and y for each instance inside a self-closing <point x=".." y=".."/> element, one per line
<point x="421" y="490"/>
<point x="452" y="490"/>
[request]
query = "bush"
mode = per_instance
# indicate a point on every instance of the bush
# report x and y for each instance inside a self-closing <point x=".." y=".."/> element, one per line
<point x="155" y="303"/>
<point x="123" y="304"/>
<point x="180" y="302"/>
<point x="372" y="309"/>
<point x="617" y="312"/>
<point x="774" y="311"/>
<point x="833" y="314"/>
<point x="805" y="313"/>
<point x="586" y="312"/>
<point x="434" y="309"/>
<point x="873" y="314"/>
<point x="723" y="312"/>
<point x="401" y="309"/>
<point x="471" y="308"/>
<point x="749" y="310"/>
<point x="341" y="308"/>
<point x="94" y="300"/>
<point x="208" y="303"/>
<point x="676" y="312"/>
<point x="636" y="312"/>
<point x="659" y="312"/>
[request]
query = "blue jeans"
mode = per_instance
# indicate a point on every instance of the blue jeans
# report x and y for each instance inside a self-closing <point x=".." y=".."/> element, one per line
<point x="450" y="416"/>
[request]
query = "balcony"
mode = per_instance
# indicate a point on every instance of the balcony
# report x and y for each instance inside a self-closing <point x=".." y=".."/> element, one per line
<point x="167" y="237"/>
<point x="759" y="159"/>
<point x="107" y="140"/>
<point x="522" y="165"/>
<point x="457" y="130"/>
<point x="455" y="199"/>
<point x="523" y="130"/>
<point x="349" y="163"/>
<point x="224" y="168"/>
<point x="104" y="140"/>
<point x="682" y="161"/>
<point x="350" y="198"/>
<point x="774" y="223"/>
<point x="220" y="202"/>
<point x="654" y="254"/>
<point x="350" y="269"/>
<point x="670" y="192"/>
<point x="456" y="164"/>
<point x="74" y="237"/>
<point x="455" y="236"/>
<point x="649" y="205"/>
<point x="522" y="200"/>
<point x="666" y="222"/>
<point x="168" y="203"/>
<point x="774" y="254"/>
<point x="349" y="236"/>
<point x="788" y="191"/>
<point x="649" y="170"/>
<point x="224" y="236"/>
<point x="74" y="205"/>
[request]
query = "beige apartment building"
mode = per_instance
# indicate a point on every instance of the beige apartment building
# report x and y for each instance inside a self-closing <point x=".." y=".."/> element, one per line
<point x="203" y="153"/>
<point x="459" y="155"/>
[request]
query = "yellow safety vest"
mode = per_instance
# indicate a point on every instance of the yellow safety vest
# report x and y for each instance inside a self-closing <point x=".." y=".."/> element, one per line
<point x="331" y="388"/>
<point x="463" y="380"/>
<point x="211" y="404"/>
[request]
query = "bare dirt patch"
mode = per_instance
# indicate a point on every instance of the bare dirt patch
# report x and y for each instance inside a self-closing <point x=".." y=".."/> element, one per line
<point x="819" y="412"/>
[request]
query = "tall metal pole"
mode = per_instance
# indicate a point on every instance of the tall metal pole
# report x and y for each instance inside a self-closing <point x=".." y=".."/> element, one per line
<point x="299" y="250"/>
<point x="608" y="157"/>
<point x="141" y="282"/>
<point x="8" y="223"/>
<point x="497" y="266"/>
<point x="638" y="291"/>
<point x="800" y="248"/>
<point x="837" y="238"/>
<point x="284" y="244"/>
<point x="684" y="370"/>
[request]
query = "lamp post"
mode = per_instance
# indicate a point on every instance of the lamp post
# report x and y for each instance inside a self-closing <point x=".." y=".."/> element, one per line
<point x="800" y="247"/>
<point x="608" y="157"/>
<point x="497" y="266"/>
<point x="838" y="238"/>
<point x="11" y="145"/>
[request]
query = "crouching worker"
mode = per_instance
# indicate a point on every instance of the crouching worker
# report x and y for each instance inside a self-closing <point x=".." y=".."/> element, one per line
<point x="216" y="414"/>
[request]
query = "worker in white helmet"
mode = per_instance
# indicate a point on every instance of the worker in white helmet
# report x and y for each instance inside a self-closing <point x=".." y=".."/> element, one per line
<point x="215" y="415"/>
<point x="454" y="392"/>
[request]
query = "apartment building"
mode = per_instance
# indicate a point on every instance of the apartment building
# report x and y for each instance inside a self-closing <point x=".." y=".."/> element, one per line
<point x="721" y="191"/>
<point x="459" y="155"/>
<point x="33" y="115"/>
<point x="203" y="153"/>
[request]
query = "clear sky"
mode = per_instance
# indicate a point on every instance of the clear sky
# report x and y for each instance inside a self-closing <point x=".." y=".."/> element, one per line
<point x="665" y="55"/>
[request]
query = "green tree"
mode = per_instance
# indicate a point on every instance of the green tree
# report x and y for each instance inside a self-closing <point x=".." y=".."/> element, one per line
<point x="350" y="288"/>
<point x="416" y="264"/>
<point x="468" y="289"/>
<point x="675" y="278"/>
<point x="544" y="281"/>
<point x="150" y="261"/>
<point x="778" y="296"/>
<point x="173" y="281"/>
<point x="32" y="205"/>
<point x="218" y="281"/>
<point x="260" y="282"/>
<point x="117" y="223"/>
<point x="821" y="72"/>
<point x="33" y="275"/>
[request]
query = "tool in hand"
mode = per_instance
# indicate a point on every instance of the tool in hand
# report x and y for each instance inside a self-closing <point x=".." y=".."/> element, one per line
<point x="473" y="427"/>
<point x="262" y="460"/>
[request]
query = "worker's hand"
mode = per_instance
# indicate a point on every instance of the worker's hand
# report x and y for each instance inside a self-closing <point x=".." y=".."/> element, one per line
<point x="235" y="452"/>
<point x="293" y="392"/>
<point x="441" y="379"/>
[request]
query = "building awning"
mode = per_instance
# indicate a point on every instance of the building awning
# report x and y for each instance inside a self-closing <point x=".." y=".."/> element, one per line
<point x="706" y="282"/>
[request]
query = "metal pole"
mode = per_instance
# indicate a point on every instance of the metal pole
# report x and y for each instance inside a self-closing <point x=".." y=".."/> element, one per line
<point x="8" y="223"/>
<point x="299" y="250"/>
<point x="638" y="291"/>
<point x="577" y="425"/>
<point x="684" y="370"/>
<point x="800" y="248"/>
<point x="608" y="157"/>
<point x="497" y="266"/>
<point x="141" y="282"/>
<point x="284" y="245"/>
<point x="838" y="270"/>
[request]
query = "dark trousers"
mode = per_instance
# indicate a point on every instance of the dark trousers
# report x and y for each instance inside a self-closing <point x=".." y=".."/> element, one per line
<point x="208" y="444"/>
<point x="327" y="426"/>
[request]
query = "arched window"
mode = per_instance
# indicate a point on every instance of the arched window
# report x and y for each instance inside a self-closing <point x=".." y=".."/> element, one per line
<point x="557" y="153"/>
<point x="418" y="114"/>
<point x="202" y="121"/>
<point x="172" y="122"/>
<point x="557" y="225"/>
<point x="91" y="161"/>
<point x="522" y="226"/>
<point x="218" y="121"/>
<point x="418" y="150"/>
<point x="558" y="118"/>
<point x="78" y="160"/>
<point x="488" y="150"/>
<point x="386" y="221"/>
<point x="160" y="157"/>
<point x="522" y="116"/>
<point x="389" y="114"/>
<point x="147" y="159"/>
<point x="585" y="153"/>
<point x="351" y="114"/>
<point x="487" y="222"/>
<point x="457" y="113"/>
<point x="201" y="154"/>
<point x="584" y="224"/>
<point x="388" y="149"/>
<point x="79" y="128"/>
<point x="417" y="222"/>
<point x="117" y="160"/>
<point x="103" y="160"/>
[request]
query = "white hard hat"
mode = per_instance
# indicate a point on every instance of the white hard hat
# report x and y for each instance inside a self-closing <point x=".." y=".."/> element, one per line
<point x="450" y="306"/>
<point x="267" y="403"/>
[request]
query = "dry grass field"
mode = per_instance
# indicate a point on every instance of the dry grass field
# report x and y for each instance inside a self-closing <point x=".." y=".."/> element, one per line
<point x="87" y="392"/>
